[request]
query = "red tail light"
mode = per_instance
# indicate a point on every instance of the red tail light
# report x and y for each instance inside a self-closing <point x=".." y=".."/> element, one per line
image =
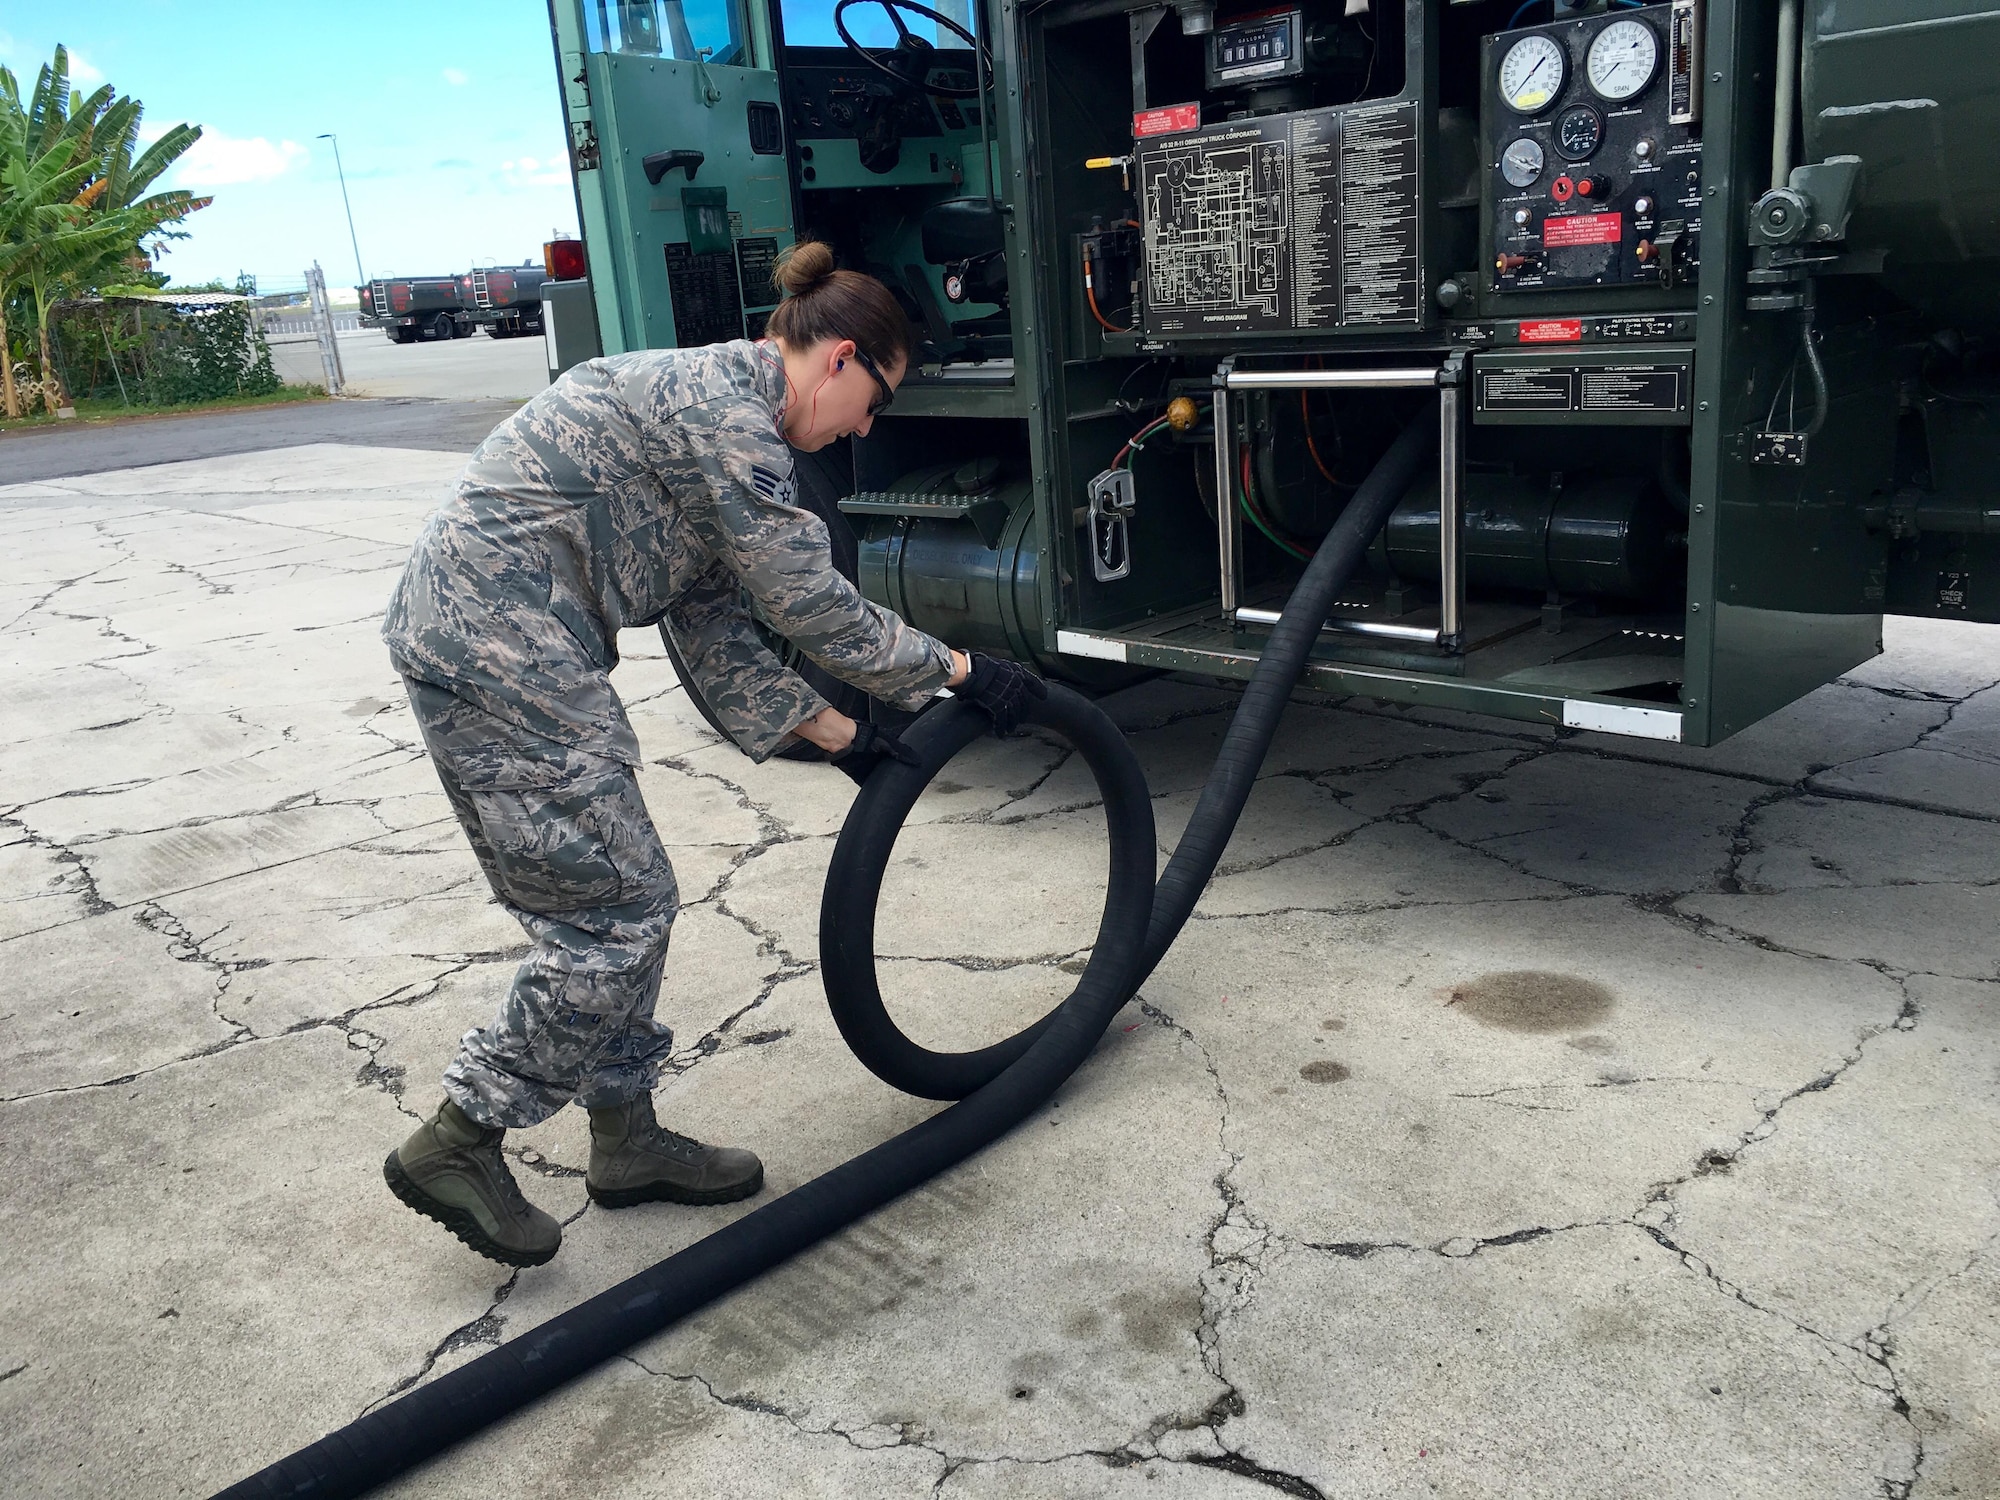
<point x="563" y="260"/>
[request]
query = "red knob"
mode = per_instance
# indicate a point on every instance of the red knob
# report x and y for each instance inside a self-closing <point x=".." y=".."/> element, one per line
<point x="1592" y="187"/>
<point x="1562" y="190"/>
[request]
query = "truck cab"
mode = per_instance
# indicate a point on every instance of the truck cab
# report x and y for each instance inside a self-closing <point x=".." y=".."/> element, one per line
<point x="1697" y="292"/>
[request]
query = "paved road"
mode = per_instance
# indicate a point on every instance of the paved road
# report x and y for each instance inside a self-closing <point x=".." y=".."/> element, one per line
<point x="475" y="368"/>
<point x="1525" y="1113"/>
<point x="90" y="448"/>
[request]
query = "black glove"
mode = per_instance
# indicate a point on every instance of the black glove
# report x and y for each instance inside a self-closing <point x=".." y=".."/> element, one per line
<point x="868" y="749"/>
<point x="1005" y="691"/>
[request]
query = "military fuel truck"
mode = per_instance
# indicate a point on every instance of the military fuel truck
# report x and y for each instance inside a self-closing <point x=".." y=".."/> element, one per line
<point x="1706" y="292"/>
<point x="409" y="308"/>
<point x="504" y="300"/>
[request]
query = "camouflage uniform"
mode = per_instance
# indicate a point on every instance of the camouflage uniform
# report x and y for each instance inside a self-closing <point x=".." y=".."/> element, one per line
<point x="639" y="488"/>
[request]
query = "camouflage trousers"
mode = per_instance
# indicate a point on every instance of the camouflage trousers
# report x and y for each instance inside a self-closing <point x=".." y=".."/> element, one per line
<point x="567" y="845"/>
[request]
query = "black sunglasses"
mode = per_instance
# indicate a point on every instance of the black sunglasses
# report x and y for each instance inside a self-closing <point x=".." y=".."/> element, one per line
<point x="888" y="397"/>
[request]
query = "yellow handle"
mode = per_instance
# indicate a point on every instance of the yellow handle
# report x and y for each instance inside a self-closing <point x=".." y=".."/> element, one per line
<point x="1102" y="161"/>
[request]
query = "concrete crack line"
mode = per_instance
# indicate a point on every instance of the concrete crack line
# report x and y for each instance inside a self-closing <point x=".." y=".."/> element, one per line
<point x="1906" y="695"/>
<point x="291" y="803"/>
<point x="184" y="947"/>
<point x="360" y="844"/>
<point x="110" y="633"/>
<point x="1715" y="930"/>
<point x="1456" y="1247"/>
<point x="66" y="583"/>
<point x="1659" y="1198"/>
<point x="1874" y="1349"/>
<point x="1912" y="1299"/>
<point x="1236" y="1241"/>
<point x="873" y="1437"/>
<point x="227" y="1044"/>
<point x="1599" y="1083"/>
<point x="866" y="1437"/>
<point x="1950" y="715"/>
<point x="681" y="1060"/>
<point x="1372" y="908"/>
<point x="1656" y="1218"/>
<point x="484" y="1329"/>
<point x="94" y="904"/>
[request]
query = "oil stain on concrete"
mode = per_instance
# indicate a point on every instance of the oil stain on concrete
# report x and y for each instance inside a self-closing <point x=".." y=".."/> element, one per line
<point x="1532" y="1000"/>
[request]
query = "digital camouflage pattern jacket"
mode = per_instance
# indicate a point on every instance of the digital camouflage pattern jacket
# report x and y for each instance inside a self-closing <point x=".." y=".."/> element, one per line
<point x="640" y="488"/>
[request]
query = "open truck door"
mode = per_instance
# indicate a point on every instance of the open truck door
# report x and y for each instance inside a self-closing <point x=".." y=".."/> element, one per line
<point x="677" y="142"/>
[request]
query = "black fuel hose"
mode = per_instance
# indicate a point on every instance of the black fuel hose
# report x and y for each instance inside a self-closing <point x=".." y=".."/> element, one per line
<point x="854" y="878"/>
<point x="996" y="1087"/>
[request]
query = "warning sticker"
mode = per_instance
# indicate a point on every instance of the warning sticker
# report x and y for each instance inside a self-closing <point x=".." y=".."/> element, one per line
<point x="1542" y="389"/>
<point x="1559" y="233"/>
<point x="1172" y="120"/>
<point x="1551" y="330"/>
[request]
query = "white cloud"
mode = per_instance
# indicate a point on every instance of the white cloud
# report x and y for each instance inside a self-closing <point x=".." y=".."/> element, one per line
<point x="455" y="78"/>
<point x="81" y="71"/>
<point x="535" y="171"/>
<point x="219" y="160"/>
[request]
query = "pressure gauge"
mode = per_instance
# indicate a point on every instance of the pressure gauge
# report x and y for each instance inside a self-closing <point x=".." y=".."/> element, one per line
<point x="1623" y="58"/>
<point x="1521" y="163"/>
<point x="1579" y="131"/>
<point x="1532" y="74"/>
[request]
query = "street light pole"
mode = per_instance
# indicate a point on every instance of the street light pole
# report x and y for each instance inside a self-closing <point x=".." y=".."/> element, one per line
<point x="360" y="274"/>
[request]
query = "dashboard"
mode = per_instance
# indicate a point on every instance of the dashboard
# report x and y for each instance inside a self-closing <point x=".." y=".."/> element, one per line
<point x="830" y="94"/>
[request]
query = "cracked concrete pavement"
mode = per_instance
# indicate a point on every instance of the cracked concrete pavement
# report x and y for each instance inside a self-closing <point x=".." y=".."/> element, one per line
<point x="1524" y="1113"/>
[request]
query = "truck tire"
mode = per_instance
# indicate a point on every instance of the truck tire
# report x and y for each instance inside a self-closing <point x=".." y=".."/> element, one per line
<point x="402" y="335"/>
<point x="439" y="328"/>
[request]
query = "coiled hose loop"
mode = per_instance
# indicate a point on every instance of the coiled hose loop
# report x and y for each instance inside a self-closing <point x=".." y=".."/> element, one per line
<point x="997" y="1087"/>
<point x="854" y="878"/>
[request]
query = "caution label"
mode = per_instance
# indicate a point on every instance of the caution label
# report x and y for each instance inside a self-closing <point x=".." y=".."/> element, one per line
<point x="1171" y="120"/>
<point x="1559" y="233"/>
<point x="1551" y="330"/>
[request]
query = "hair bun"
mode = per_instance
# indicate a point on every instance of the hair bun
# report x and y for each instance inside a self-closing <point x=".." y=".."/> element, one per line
<point x="803" y="266"/>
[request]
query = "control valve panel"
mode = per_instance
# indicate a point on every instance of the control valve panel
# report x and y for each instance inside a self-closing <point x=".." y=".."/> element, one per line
<point x="1593" y="153"/>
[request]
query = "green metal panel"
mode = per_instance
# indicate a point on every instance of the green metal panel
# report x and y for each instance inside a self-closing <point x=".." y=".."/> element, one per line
<point x="1785" y="581"/>
<point x="635" y="105"/>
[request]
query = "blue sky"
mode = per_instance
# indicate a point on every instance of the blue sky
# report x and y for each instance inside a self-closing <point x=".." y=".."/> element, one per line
<point x="449" y="121"/>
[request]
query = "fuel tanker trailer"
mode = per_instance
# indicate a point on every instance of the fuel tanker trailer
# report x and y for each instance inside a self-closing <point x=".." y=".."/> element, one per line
<point x="1704" y="294"/>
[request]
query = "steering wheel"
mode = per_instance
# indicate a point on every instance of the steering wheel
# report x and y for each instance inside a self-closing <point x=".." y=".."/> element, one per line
<point x="912" y="53"/>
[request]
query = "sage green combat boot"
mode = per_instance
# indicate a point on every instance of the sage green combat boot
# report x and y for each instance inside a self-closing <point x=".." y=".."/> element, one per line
<point x="633" y="1159"/>
<point x="451" y="1170"/>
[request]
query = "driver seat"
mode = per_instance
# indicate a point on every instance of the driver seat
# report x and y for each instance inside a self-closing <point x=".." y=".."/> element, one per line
<point x="968" y="238"/>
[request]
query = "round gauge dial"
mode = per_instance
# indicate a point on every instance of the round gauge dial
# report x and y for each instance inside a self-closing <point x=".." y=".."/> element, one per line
<point x="1532" y="74"/>
<point x="1521" y="163"/>
<point x="1579" y="132"/>
<point x="1623" y="58"/>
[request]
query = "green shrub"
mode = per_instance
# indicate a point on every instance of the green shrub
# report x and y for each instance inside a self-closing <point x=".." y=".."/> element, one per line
<point x="201" y="354"/>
